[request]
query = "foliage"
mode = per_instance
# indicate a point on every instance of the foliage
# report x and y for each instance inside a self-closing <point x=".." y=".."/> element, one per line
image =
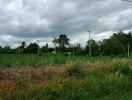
<point x="75" y="70"/>
<point x="32" y="48"/>
<point x="23" y="47"/>
<point x="20" y="60"/>
<point x="94" y="47"/>
<point x="112" y="47"/>
<point x="44" y="49"/>
<point x="98" y="84"/>
<point x="63" y="40"/>
<point x="117" y="44"/>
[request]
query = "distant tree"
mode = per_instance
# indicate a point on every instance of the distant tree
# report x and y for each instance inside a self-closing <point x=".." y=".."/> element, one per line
<point x="55" y="42"/>
<point x="0" y="49"/>
<point x="94" y="47"/>
<point x="32" y="48"/>
<point x="124" y="39"/>
<point x="23" y="47"/>
<point x="77" y="48"/>
<point x="112" y="47"/>
<point x="6" y="49"/>
<point x="45" y="48"/>
<point x="63" y="40"/>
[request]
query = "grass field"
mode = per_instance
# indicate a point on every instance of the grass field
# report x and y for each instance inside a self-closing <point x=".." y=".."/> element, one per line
<point x="36" y="60"/>
<point x="63" y="77"/>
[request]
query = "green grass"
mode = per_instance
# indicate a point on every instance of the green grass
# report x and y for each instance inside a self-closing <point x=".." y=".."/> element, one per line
<point x="98" y="84"/>
<point x="93" y="87"/>
<point x="85" y="78"/>
<point x="21" y="60"/>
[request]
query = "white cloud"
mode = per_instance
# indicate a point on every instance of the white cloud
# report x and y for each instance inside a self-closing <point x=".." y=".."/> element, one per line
<point x="36" y="19"/>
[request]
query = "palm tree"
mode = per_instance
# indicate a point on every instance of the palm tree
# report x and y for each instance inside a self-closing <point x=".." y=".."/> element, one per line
<point x="62" y="40"/>
<point x="22" y="48"/>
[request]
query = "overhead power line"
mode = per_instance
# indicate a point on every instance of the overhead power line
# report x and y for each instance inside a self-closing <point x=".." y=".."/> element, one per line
<point x="127" y="1"/>
<point x="119" y="2"/>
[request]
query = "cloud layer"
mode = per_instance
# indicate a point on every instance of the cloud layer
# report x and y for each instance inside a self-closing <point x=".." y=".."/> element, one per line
<point x="38" y="19"/>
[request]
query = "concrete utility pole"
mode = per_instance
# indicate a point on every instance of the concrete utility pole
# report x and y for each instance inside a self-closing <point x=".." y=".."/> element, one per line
<point x="19" y="47"/>
<point x="99" y="43"/>
<point x="54" y="43"/>
<point x="90" y="51"/>
<point x="128" y="49"/>
<point x="38" y="46"/>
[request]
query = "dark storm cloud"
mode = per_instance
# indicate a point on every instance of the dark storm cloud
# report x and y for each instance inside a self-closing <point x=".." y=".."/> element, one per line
<point x="43" y="18"/>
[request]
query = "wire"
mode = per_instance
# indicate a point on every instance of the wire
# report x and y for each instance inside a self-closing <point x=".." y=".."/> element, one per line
<point x="127" y="1"/>
<point x="120" y="2"/>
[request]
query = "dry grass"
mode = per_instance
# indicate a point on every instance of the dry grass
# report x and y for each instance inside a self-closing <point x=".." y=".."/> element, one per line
<point x="12" y="79"/>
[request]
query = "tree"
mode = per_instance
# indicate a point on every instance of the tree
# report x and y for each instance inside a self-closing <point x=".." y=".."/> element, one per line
<point x="32" y="48"/>
<point x="6" y="49"/>
<point x="63" y="40"/>
<point x="45" y="48"/>
<point x="0" y="49"/>
<point x="94" y="47"/>
<point x="23" y="47"/>
<point x="124" y="39"/>
<point x="112" y="47"/>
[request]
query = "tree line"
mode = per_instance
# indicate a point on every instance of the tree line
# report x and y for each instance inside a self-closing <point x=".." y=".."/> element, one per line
<point x="119" y="43"/>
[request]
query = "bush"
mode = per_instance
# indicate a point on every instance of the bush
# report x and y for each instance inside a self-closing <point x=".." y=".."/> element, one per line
<point x="103" y="84"/>
<point x="75" y="71"/>
<point x="121" y="68"/>
<point x="59" y="60"/>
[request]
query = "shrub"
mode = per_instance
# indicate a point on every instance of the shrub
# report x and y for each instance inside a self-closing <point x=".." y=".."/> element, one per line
<point x="75" y="70"/>
<point x="121" y="68"/>
<point x="103" y="84"/>
<point x="59" y="60"/>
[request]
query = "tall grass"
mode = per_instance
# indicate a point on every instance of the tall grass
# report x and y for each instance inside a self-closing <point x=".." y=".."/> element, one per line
<point x="112" y="82"/>
<point x="35" y="60"/>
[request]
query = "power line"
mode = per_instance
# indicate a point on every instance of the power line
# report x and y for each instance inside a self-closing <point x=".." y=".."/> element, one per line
<point x="127" y="1"/>
<point x="120" y="2"/>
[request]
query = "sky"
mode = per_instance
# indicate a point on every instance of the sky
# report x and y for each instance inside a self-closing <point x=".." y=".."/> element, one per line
<point x="32" y="20"/>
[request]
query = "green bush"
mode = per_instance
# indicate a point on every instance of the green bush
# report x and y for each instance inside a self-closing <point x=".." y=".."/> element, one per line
<point x="75" y="70"/>
<point x="121" y="68"/>
<point x="59" y="60"/>
<point x="93" y="87"/>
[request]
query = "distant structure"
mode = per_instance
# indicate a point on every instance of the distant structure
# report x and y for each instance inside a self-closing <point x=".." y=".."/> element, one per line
<point x="90" y="51"/>
<point x="54" y="43"/>
<point x="38" y="41"/>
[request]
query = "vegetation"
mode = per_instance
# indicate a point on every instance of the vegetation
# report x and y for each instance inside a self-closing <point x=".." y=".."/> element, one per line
<point x="63" y="40"/>
<point x="30" y="72"/>
<point x="81" y="79"/>
<point x="117" y="44"/>
<point x="37" y="60"/>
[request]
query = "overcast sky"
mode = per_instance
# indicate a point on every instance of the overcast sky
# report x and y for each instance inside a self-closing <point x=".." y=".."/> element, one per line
<point x="31" y="20"/>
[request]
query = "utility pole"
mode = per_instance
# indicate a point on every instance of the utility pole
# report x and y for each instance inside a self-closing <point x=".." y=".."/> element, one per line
<point x="128" y="49"/>
<point x="19" y="47"/>
<point x="38" y="46"/>
<point x="55" y="43"/>
<point x="73" y="49"/>
<point x="90" y="51"/>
